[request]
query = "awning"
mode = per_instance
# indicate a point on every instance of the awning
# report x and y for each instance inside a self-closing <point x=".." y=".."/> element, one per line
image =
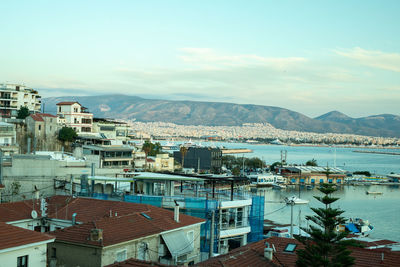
<point x="178" y="244"/>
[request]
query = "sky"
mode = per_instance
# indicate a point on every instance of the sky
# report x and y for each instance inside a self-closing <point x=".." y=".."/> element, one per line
<point x="307" y="56"/>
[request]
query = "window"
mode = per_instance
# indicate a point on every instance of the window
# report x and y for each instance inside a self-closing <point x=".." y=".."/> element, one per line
<point x="75" y="109"/>
<point x="121" y="255"/>
<point x="290" y="247"/>
<point x="22" y="261"/>
<point x="142" y="251"/>
<point x="39" y="127"/>
<point x="59" y="109"/>
<point x="54" y="253"/>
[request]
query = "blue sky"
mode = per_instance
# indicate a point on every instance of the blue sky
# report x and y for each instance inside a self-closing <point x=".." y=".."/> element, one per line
<point x="307" y="56"/>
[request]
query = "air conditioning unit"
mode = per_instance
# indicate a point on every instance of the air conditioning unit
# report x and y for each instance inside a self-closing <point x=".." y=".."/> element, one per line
<point x="162" y="250"/>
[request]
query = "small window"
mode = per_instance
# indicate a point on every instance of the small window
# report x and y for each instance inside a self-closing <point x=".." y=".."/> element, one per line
<point x="22" y="261"/>
<point x="54" y="252"/>
<point x="145" y="215"/>
<point x="40" y="127"/>
<point x="59" y="109"/>
<point x="290" y="247"/>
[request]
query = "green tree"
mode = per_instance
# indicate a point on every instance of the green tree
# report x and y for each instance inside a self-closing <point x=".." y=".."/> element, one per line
<point x="312" y="162"/>
<point x="151" y="149"/>
<point x="183" y="151"/>
<point x="326" y="246"/>
<point x="23" y="112"/>
<point x="274" y="165"/>
<point x="67" y="134"/>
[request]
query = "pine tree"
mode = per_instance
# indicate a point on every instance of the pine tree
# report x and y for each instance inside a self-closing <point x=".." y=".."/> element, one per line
<point x="325" y="247"/>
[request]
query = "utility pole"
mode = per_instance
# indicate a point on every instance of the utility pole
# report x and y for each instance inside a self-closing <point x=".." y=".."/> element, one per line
<point x="291" y="218"/>
<point x="211" y="254"/>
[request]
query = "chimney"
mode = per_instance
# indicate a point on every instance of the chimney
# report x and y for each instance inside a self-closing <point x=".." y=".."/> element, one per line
<point x="176" y="212"/>
<point x="268" y="252"/>
<point x="96" y="234"/>
<point x="37" y="195"/>
<point x="74" y="218"/>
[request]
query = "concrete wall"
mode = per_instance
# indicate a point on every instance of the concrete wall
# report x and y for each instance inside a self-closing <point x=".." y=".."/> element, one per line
<point x="29" y="171"/>
<point x="69" y="255"/>
<point x="36" y="256"/>
<point x="109" y="254"/>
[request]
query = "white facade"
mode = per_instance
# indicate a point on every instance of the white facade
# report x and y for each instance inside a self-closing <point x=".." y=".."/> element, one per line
<point x="73" y="115"/>
<point x="15" y="96"/>
<point x="36" y="254"/>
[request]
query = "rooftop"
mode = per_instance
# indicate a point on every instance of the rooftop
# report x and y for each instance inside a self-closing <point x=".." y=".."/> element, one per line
<point x="13" y="236"/>
<point x="119" y="221"/>
<point x="67" y="103"/>
<point x="253" y="255"/>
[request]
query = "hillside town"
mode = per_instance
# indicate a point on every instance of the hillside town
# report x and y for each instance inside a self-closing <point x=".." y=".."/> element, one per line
<point x="76" y="190"/>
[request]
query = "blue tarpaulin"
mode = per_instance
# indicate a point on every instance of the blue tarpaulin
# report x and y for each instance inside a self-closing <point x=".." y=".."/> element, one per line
<point x="352" y="228"/>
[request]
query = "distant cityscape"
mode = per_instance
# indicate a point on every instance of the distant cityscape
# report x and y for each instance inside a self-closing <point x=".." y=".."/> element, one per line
<point x="254" y="132"/>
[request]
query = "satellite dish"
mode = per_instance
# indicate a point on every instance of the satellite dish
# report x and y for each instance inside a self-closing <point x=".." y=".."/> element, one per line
<point x="34" y="214"/>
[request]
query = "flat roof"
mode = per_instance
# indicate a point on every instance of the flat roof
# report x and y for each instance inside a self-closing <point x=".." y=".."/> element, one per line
<point x="146" y="176"/>
<point x="109" y="148"/>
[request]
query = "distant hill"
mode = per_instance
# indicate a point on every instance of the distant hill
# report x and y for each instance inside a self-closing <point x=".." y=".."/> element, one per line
<point x="228" y="114"/>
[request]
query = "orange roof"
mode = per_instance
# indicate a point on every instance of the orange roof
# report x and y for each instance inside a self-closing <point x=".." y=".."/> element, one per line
<point x="39" y="116"/>
<point x="246" y="255"/>
<point x="137" y="263"/>
<point x="126" y="223"/>
<point x="13" y="236"/>
<point x="67" y="103"/>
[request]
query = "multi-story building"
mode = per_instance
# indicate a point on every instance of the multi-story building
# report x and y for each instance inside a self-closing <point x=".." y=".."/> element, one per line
<point x="111" y="129"/>
<point x="15" y="96"/>
<point x="108" y="156"/>
<point x="200" y="159"/>
<point x="74" y="115"/>
<point x="43" y="128"/>
<point x="8" y="144"/>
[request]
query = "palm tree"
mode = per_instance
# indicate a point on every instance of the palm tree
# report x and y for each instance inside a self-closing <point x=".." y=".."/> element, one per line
<point x="183" y="151"/>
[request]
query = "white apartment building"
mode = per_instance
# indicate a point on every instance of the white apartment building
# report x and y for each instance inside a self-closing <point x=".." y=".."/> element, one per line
<point x="15" y="96"/>
<point x="74" y="115"/>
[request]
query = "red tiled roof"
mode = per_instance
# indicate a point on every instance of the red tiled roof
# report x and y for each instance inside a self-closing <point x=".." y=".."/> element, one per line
<point x="243" y="256"/>
<point x="67" y="103"/>
<point x="13" y="236"/>
<point x="47" y="115"/>
<point x="36" y="117"/>
<point x="137" y="263"/>
<point x="16" y="211"/>
<point x="39" y="116"/>
<point x="123" y="227"/>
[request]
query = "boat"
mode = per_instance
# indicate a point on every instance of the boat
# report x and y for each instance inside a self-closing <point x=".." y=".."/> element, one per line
<point x="356" y="226"/>
<point x="373" y="193"/>
<point x="278" y="186"/>
<point x="268" y="179"/>
<point x="285" y="232"/>
<point x="295" y="200"/>
<point x="170" y="146"/>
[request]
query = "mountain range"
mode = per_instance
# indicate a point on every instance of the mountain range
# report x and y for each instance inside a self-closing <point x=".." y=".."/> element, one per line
<point x="228" y="114"/>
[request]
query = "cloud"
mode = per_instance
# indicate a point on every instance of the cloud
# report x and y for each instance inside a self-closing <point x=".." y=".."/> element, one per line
<point x="207" y="56"/>
<point x="371" y="58"/>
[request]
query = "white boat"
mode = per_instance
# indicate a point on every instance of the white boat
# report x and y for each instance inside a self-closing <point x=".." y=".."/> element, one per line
<point x="268" y="179"/>
<point x="295" y="200"/>
<point x="356" y="226"/>
<point x="278" y="186"/>
<point x="170" y="146"/>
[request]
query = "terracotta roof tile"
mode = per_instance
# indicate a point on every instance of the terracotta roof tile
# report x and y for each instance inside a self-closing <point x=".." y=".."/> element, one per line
<point x="137" y="263"/>
<point x="67" y="103"/>
<point x="36" y="117"/>
<point x="121" y="228"/>
<point x="245" y="256"/>
<point x="13" y="236"/>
